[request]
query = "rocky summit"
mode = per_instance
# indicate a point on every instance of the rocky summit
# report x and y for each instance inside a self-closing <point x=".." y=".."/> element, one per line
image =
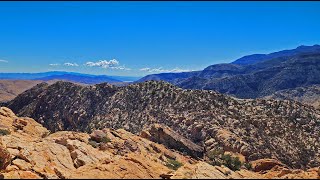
<point x="30" y="151"/>
<point x="251" y="128"/>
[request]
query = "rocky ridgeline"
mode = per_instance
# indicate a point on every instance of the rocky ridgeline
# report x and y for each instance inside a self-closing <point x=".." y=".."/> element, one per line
<point x="285" y="130"/>
<point x="28" y="150"/>
<point x="308" y="95"/>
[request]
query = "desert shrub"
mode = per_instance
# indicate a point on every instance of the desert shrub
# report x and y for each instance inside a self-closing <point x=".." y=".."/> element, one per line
<point x="105" y="139"/>
<point x="173" y="164"/>
<point x="4" y="132"/>
<point x="214" y="157"/>
<point x="93" y="143"/>
<point x="217" y="158"/>
<point x="248" y="166"/>
<point x="231" y="162"/>
<point x="215" y="163"/>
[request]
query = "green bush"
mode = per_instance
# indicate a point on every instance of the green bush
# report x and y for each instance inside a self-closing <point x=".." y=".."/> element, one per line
<point x="231" y="162"/>
<point x="215" y="163"/>
<point x="248" y="166"/>
<point x="4" y="132"/>
<point x="105" y="139"/>
<point x="214" y="157"/>
<point x="93" y="143"/>
<point x="173" y="164"/>
<point x="217" y="158"/>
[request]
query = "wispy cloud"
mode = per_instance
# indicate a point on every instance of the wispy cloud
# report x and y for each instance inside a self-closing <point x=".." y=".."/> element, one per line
<point x="161" y="70"/>
<point x="3" y="61"/>
<point x="54" y="64"/>
<point x="70" y="64"/>
<point x="121" y="68"/>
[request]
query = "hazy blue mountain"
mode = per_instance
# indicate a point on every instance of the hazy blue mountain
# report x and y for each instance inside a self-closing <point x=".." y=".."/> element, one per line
<point x="255" y="75"/>
<point x="246" y="64"/>
<point x="264" y="78"/>
<point x="69" y="76"/>
<point x="169" y="77"/>
<point x="254" y="58"/>
<point x="29" y="76"/>
<point x="85" y="79"/>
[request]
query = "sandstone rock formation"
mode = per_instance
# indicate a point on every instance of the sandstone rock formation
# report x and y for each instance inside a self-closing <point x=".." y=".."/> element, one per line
<point x="171" y="139"/>
<point x="265" y="164"/>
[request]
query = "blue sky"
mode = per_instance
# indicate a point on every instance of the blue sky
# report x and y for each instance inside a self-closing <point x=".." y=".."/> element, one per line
<point x="139" y="38"/>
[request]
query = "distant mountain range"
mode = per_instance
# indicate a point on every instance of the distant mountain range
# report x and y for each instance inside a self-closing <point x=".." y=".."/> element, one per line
<point x="68" y="76"/>
<point x="251" y="59"/>
<point x="255" y="75"/>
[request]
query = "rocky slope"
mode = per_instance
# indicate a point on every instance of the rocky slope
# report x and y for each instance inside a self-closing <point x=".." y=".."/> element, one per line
<point x="284" y="130"/>
<point x="308" y="95"/>
<point x="9" y="89"/>
<point x="28" y="150"/>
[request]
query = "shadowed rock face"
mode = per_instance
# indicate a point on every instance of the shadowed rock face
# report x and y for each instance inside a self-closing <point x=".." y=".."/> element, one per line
<point x="171" y="139"/>
<point x="285" y="130"/>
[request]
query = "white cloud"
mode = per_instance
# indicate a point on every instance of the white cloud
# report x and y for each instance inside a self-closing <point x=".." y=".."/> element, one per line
<point x="70" y="64"/>
<point x="161" y="70"/>
<point x="54" y="64"/>
<point x="103" y="63"/>
<point x="145" y="69"/>
<point x="111" y="64"/>
<point x="4" y="61"/>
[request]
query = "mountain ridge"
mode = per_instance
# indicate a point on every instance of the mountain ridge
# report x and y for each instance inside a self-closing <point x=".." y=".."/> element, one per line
<point x="199" y="115"/>
<point x="257" y="79"/>
<point x="254" y="58"/>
